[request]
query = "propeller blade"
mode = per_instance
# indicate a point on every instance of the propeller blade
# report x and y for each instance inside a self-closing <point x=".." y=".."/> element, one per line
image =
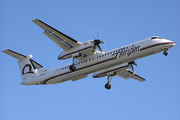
<point x="89" y="42"/>
<point x="95" y="50"/>
<point x="128" y="67"/>
<point x="100" y="48"/>
<point x="97" y="34"/>
<point x="92" y="34"/>
<point x="103" y="42"/>
<point x="135" y="64"/>
<point x="133" y="69"/>
<point x="96" y="43"/>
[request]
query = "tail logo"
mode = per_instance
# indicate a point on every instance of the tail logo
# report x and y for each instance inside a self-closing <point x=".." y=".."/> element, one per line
<point x="27" y="69"/>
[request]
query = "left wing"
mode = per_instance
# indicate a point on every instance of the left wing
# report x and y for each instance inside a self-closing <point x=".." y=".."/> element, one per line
<point x="62" y="40"/>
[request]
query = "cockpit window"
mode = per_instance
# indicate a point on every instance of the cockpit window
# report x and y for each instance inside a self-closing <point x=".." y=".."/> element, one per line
<point x="156" y="38"/>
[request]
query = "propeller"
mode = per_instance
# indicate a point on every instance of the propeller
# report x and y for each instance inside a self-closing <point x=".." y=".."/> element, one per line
<point x="96" y="43"/>
<point x="130" y="65"/>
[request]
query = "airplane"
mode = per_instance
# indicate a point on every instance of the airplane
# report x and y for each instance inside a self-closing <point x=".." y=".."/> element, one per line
<point x="87" y="60"/>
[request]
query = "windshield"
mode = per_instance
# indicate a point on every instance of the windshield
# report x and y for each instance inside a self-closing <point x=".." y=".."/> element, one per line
<point x="156" y="38"/>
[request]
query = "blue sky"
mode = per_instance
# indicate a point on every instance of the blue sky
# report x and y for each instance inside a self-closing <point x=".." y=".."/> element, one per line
<point x="119" y="23"/>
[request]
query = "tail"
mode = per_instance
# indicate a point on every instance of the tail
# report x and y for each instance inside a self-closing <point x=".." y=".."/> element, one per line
<point x="28" y="67"/>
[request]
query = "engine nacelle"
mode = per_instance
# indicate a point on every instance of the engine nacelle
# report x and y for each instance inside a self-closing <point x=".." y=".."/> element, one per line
<point x="85" y="49"/>
<point x="110" y="71"/>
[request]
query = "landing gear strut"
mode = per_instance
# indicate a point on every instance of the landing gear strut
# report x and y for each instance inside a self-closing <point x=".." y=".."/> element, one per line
<point x="108" y="85"/>
<point x="73" y="67"/>
<point x="165" y="52"/>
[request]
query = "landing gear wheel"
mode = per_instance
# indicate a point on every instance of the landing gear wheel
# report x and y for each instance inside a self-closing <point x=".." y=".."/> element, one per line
<point x="109" y="77"/>
<point x="72" y="67"/>
<point x="107" y="86"/>
<point x="165" y="53"/>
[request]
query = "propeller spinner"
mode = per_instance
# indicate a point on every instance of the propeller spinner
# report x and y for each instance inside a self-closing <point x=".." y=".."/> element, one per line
<point x="96" y="43"/>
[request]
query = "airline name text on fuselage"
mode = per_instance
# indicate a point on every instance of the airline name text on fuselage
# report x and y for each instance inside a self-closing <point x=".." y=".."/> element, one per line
<point x="126" y="51"/>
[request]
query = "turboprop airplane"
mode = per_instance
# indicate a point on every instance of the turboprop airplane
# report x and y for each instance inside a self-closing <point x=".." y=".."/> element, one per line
<point x="87" y="60"/>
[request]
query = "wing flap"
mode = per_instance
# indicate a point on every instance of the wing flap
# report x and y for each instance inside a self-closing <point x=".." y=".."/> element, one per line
<point x="58" y="41"/>
<point x="79" y="77"/>
<point x="128" y="74"/>
<point x="59" y="37"/>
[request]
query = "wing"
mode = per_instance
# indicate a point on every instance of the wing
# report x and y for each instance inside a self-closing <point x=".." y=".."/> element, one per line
<point x="128" y="74"/>
<point x="62" y="40"/>
<point x="120" y="71"/>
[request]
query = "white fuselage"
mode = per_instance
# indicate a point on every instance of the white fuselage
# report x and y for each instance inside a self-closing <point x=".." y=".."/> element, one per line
<point x="97" y="62"/>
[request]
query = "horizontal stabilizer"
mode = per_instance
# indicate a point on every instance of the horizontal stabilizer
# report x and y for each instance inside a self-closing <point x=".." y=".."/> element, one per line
<point x="21" y="57"/>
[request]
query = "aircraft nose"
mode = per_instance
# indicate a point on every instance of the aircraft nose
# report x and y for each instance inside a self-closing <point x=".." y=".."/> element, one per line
<point x="170" y="43"/>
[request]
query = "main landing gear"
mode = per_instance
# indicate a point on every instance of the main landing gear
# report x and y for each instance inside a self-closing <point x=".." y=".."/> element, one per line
<point x="73" y="67"/>
<point x="165" y="52"/>
<point x="108" y="85"/>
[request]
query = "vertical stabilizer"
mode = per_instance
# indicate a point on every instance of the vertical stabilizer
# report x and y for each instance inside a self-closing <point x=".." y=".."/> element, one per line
<point x="28" y="67"/>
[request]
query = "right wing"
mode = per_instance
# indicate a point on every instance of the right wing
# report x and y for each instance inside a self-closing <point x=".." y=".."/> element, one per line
<point x="120" y="71"/>
<point x="128" y="74"/>
<point x="62" y="40"/>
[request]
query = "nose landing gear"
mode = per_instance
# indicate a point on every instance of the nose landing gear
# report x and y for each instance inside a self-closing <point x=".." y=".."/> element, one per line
<point x="165" y="52"/>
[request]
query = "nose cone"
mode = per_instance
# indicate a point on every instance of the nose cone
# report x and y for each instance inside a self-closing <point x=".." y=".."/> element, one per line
<point x="171" y="44"/>
<point x="168" y="43"/>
